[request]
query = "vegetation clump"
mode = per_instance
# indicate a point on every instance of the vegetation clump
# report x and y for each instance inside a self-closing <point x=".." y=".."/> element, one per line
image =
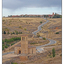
<point x="32" y="43"/>
<point x="57" y="32"/>
<point x="6" y="43"/>
<point x="13" y="63"/>
<point x="25" y="29"/>
<point x="44" y="38"/>
<point x="41" y="22"/>
<point x="53" y="52"/>
<point x="20" y="27"/>
<point x="4" y="32"/>
<point x="57" y="16"/>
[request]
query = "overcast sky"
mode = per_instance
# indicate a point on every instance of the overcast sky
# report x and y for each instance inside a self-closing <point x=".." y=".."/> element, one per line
<point x="18" y="7"/>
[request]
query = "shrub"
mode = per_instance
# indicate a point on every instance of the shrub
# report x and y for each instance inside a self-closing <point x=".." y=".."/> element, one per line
<point x="20" y="32"/>
<point x="19" y="26"/>
<point x="5" y="40"/>
<point x="57" y="32"/>
<point x="2" y="41"/>
<point x="6" y="46"/>
<point x="32" y="43"/>
<point x="12" y="44"/>
<point x="44" y="38"/>
<point x="4" y="32"/>
<point x="25" y="29"/>
<point x="53" y="52"/>
<point x="2" y="48"/>
<point x="13" y="33"/>
<point x="3" y="20"/>
<point x="16" y="32"/>
<point x="40" y="21"/>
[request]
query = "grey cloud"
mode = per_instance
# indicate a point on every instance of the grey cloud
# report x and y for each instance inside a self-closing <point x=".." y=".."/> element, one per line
<point x="15" y="4"/>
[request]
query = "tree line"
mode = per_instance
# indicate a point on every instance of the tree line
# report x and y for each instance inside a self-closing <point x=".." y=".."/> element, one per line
<point x="16" y="32"/>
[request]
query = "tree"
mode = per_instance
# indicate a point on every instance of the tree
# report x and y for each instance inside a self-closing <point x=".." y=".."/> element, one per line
<point x="53" y="52"/>
<point x="4" y="32"/>
<point x="13" y="33"/>
<point x="6" y="46"/>
<point x="2" y="41"/>
<point x="2" y="48"/>
<point x="5" y="40"/>
<point x="44" y="38"/>
<point x="57" y="32"/>
<point x="40" y="21"/>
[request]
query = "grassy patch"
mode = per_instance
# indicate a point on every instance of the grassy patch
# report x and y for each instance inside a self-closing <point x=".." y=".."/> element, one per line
<point x="13" y="63"/>
<point x="25" y="29"/>
<point x="32" y="43"/>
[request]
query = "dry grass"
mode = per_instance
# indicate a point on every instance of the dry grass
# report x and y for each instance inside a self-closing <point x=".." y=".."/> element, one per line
<point x="50" y="29"/>
<point x="24" y="25"/>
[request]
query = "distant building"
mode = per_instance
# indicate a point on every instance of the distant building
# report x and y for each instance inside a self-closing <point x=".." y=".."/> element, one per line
<point x="32" y="15"/>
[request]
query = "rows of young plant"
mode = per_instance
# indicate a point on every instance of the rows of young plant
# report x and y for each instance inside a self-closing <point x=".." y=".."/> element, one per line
<point x="7" y="42"/>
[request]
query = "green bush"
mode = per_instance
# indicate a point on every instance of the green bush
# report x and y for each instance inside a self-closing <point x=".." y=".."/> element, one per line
<point x="13" y="63"/>
<point x="53" y="52"/>
<point x="40" y="21"/>
<point x="13" y="33"/>
<point x="20" y="32"/>
<point x="8" y="41"/>
<point x="4" y="32"/>
<point x="3" y="20"/>
<point x="2" y="48"/>
<point x="44" y="38"/>
<point x="5" y="40"/>
<point x="6" y="46"/>
<point x="32" y="43"/>
<point x="57" y="32"/>
<point x="25" y="29"/>
<point x="57" y="16"/>
<point x="16" y="32"/>
<point x="12" y="44"/>
<point x="2" y="41"/>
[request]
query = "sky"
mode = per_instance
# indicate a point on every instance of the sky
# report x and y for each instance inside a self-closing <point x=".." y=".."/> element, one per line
<point x="18" y="7"/>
